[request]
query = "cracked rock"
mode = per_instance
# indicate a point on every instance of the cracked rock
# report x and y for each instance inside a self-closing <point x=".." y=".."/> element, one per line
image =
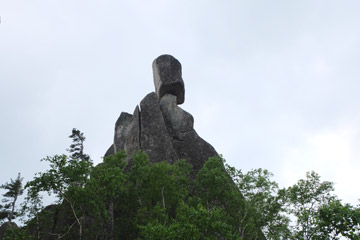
<point x="155" y="139"/>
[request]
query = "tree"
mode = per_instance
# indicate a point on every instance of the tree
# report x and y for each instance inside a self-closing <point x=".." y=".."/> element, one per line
<point x="165" y="210"/>
<point x="3" y="213"/>
<point x="337" y="220"/>
<point x="216" y="190"/>
<point x="192" y="221"/>
<point x="264" y="201"/>
<point x="31" y="209"/>
<point x="305" y="199"/>
<point x="76" y="149"/>
<point x="132" y="198"/>
<point x="106" y="185"/>
<point x="14" y="190"/>
<point x="67" y="178"/>
<point x="153" y="192"/>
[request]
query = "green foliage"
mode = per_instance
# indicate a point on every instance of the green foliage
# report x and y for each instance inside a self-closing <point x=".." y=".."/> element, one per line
<point x="154" y="186"/>
<point x="191" y="222"/>
<point x="107" y="179"/>
<point x="62" y="176"/>
<point x="213" y="185"/>
<point x="76" y="149"/>
<point x="31" y="208"/>
<point x="66" y="178"/>
<point x="305" y="199"/>
<point x="216" y="189"/>
<point x="15" y="233"/>
<point x="14" y="190"/>
<point x="3" y="213"/>
<point x="131" y="198"/>
<point x="336" y="220"/>
<point x="264" y="201"/>
<point x="196" y="220"/>
<point x="105" y="187"/>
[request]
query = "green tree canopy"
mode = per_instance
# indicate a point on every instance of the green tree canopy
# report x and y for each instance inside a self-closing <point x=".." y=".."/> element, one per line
<point x="128" y="197"/>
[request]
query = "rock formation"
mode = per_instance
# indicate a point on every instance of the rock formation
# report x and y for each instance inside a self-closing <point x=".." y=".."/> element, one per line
<point x="163" y="130"/>
<point x="159" y="126"/>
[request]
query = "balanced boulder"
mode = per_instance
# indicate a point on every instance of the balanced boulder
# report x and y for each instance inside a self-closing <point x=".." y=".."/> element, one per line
<point x="168" y="77"/>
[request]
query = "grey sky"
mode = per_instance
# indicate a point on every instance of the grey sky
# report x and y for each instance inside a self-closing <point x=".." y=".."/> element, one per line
<point x="271" y="84"/>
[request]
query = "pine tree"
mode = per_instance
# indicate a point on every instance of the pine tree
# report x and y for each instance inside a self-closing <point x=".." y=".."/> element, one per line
<point x="14" y="190"/>
<point x="76" y="149"/>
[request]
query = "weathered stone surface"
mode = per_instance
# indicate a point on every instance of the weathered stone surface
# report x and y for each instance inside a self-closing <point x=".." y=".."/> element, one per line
<point x="132" y="140"/>
<point x="168" y="77"/>
<point x="122" y="128"/>
<point x="110" y="151"/>
<point x="155" y="139"/>
<point x="177" y="120"/>
<point x="188" y="145"/>
<point x="194" y="149"/>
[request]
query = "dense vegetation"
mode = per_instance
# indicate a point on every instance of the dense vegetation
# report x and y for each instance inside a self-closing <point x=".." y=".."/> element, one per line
<point x="143" y="200"/>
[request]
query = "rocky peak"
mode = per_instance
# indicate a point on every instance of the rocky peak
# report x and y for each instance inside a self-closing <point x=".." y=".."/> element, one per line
<point x="160" y="127"/>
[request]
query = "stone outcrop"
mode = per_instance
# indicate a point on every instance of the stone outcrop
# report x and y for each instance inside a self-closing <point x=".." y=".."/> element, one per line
<point x="122" y="128"/>
<point x="154" y="139"/>
<point x="160" y="127"/>
<point x="168" y="77"/>
<point x="132" y="139"/>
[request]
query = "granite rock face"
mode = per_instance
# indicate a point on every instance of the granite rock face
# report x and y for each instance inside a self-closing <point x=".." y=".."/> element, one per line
<point x="187" y="143"/>
<point x="160" y="127"/>
<point x="122" y="128"/>
<point x="154" y="138"/>
<point x="177" y="120"/>
<point x="168" y="77"/>
<point x="132" y="139"/>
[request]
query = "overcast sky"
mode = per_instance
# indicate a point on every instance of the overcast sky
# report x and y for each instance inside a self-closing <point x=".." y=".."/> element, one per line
<point x="271" y="84"/>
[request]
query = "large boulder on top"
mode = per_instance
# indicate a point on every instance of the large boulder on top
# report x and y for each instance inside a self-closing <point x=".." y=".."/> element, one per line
<point x="168" y="77"/>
